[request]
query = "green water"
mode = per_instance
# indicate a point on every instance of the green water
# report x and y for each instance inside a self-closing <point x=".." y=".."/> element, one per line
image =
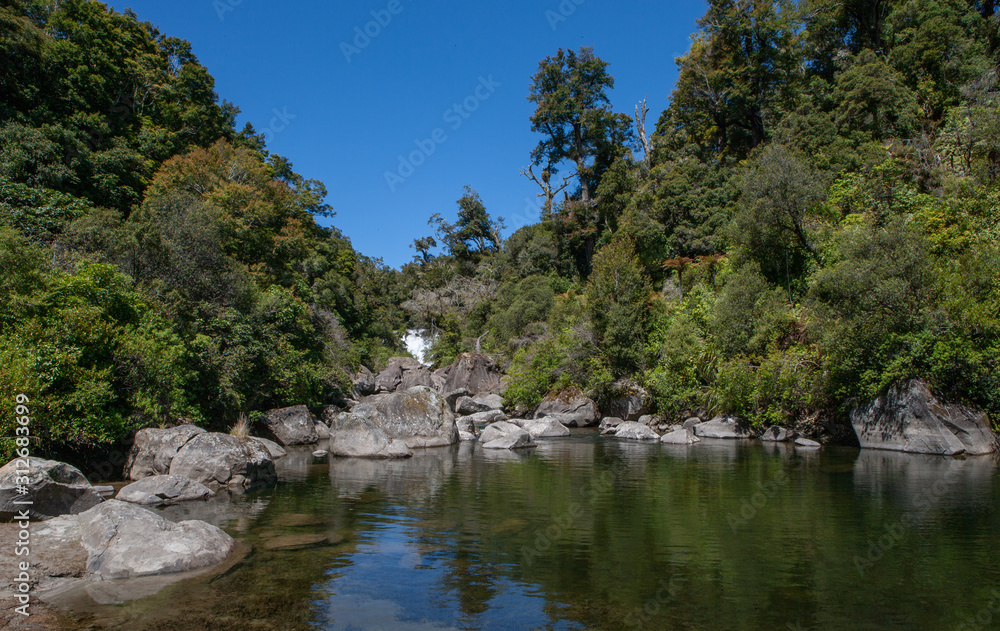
<point x="592" y="533"/>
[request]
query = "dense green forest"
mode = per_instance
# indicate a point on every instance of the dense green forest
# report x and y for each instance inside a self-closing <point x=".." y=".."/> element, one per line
<point x="812" y="219"/>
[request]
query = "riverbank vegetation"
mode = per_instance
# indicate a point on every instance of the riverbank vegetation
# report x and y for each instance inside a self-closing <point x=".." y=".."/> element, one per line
<point x="812" y="219"/>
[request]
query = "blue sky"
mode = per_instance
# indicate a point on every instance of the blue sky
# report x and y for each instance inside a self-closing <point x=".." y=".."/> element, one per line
<point x="345" y="109"/>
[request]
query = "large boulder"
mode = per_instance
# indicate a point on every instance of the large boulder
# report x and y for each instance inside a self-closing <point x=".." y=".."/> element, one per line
<point x="680" y="437"/>
<point x="629" y="402"/>
<point x="775" y="434"/>
<point x="478" y="403"/>
<point x="609" y="425"/>
<point x="272" y="447"/>
<point x="724" y="427"/>
<point x="364" y="382"/>
<point x="505" y="435"/>
<point x="467" y="430"/>
<point x="632" y="430"/>
<point x="126" y="541"/>
<point x="356" y="437"/>
<point x="153" y="449"/>
<point x="476" y="373"/>
<point x="910" y="418"/>
<point x="224" y="460"/>
<point x="53" y="488"/>
<point x="570" y="406"/>
<point x="164" y="490"/>
<point x="292" y="426"/>
<point x="545" y="428"/>
<point x="420" y="417"/>
<point x="392" y="378"/>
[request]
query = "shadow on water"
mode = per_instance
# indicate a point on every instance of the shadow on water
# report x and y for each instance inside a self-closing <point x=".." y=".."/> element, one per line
<point x="598" y="533"/>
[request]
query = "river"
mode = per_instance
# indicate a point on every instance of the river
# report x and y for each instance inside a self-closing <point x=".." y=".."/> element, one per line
<point x="598" y="533"/>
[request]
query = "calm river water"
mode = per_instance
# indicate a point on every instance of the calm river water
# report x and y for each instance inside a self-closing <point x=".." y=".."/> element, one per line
<point x="597" y="533"/>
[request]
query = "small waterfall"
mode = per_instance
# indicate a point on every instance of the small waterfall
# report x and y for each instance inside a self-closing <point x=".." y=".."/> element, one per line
<point x="418" y="342"/>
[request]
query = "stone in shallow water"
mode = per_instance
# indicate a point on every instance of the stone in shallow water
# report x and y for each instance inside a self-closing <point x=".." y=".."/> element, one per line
<point x="295" y="520"/>
<point x="55" y="488"/>
<point x="632" y="430"/>
<point x="163" y="490"/>
<point x="777" y="434"/>
<point x="680" y="437"/>
<point x="546" y="428"/>
<point x="805" y="442"/>
<point x="725" y="427"/>
<point x="301" y="542"/>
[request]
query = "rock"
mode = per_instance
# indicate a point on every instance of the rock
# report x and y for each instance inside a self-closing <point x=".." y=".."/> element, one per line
<point x="505" y="435"/>
<point x="632" y="430"/>
<point x="272" y="447"/>
<point x="153" y="449"/>
<point x="467" y="430"/>
<point x="479" y="403"/>
<point x="476" y="373"/>
<point x="390" y="379"/>
<point x="321" y="453"/>
<point x="357" y="437"/>
<point x="322" y="431"/>
<point x="292" y="426"/>
<point x="416" y="377"/>
<point x="609" y="425"/>
<point x="652" y="420"/>
<point x="909" y="418"/>
<point x="546" y="428"/>
<point x="485" y="418"/>
<point x="125" y="541"/>
<point x="570" y="406"/>
<point x="629" y="402"/>
<point x="452" y="397"/>
<point x="55" y="488"/>
<point x="297" y="542"/>
<point x="777" y="434"/>
<point x="364" y="382"/>
<point x="164" y="490"/>
<point x="725" y="427"/>
<point x="440" y="378"/>
<point x="805" y="442"/>
<point x="216" y="459"/>
<point x="418" y="416"/>
<point x="691" y="422"/>
<point x="104" y="491"/>
<point x="680" y="437"/>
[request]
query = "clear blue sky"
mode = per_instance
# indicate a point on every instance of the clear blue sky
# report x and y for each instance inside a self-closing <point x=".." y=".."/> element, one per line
<point x="353" y="119"/>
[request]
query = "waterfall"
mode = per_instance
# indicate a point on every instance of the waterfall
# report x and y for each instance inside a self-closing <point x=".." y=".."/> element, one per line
<point x="418" y="342"/>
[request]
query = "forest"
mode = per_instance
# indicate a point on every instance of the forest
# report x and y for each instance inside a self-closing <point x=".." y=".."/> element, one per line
<point x="812" y="219"/>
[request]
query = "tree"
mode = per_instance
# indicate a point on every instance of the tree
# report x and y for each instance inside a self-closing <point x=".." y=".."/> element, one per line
<point x="618" y="294"/>
<point x="573" y="111"/>
<point x="475" y="233"/>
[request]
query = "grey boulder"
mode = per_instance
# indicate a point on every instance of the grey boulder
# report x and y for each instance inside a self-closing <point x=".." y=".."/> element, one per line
<point x="153" y="449"/>
<point x="125" y="541"/>
<point x="292" y="426"/>
<point x="691" y="422"/>
<point x="164" y="490"/>
<point x="910" y="418"/>
<point x="504" y="435"/>
<point x="467" y="430"/>
<point x="419" y="417"/>
<point x="630" y="402"/>
<point x="392" y="378"/>
<point x="476" y="373"/>
<point x="570" y="406"/>
<point x="364" y="382"/>
<point x="479" y="403"/>
<point x="356" y="437"/>
<point x="272" y="447"/>
<point x="223" y="459"/>
<point x="724" y="427"/>
<point x="809" y="444"/>
<point x="546" y="428"/>
<point x="53" y="488"/>
<point x="777" y="434"/>
<point x="632" y="430"/>
<point x="680" y="437"/>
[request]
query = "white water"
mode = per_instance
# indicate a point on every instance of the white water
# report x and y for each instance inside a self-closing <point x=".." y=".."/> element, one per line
<point x="418" y="343"/>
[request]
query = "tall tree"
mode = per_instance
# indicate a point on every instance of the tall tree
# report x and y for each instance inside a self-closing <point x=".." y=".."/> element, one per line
<point x="574" y="112"/>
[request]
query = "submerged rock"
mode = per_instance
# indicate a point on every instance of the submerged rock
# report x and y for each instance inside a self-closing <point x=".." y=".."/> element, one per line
<point x="293" y="426"/>
<point x="570" y="406"/>
<point x="805" y="442"/>
<point x="356" y="437"/>
<point x="164" y="490"/>
<point x="123" y="541"/>
<point x="54" y="488"/>
<point x="909" y="418"/>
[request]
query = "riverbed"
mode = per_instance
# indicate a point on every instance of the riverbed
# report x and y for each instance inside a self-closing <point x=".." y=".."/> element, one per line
<point x="599" y="533"/>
